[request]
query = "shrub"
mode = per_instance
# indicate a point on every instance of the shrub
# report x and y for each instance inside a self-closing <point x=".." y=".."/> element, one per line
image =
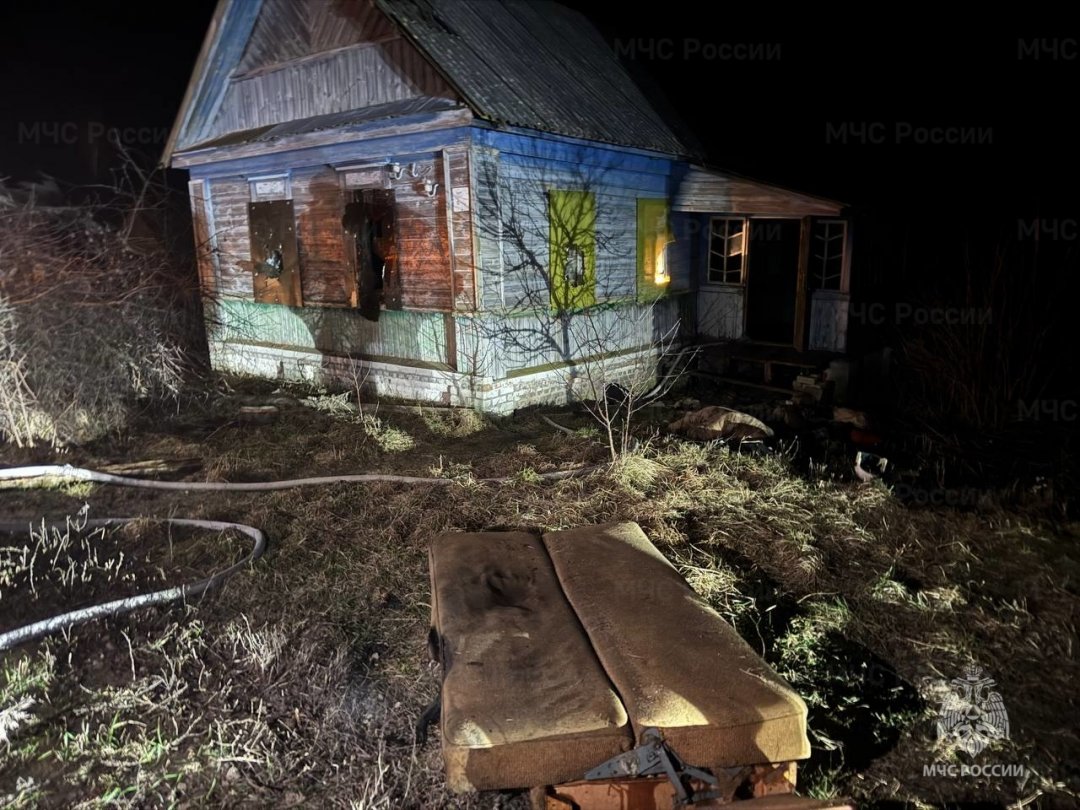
<point x="98" y="316"/>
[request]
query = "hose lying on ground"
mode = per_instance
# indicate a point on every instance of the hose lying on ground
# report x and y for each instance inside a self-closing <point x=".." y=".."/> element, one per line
<point x="67" y="472"/>
<point x="118" y="607"/>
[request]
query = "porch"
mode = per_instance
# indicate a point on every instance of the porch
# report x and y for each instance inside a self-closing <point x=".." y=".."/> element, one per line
<point x="772" y="266"/>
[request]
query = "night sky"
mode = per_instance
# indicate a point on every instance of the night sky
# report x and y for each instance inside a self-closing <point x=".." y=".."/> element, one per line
<point x="75" y="68"/>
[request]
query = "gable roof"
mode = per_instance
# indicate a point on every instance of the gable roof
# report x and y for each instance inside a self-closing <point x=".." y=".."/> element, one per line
<point x="533" y="64"/>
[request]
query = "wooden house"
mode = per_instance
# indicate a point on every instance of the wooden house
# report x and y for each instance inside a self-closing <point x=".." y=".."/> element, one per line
<point x="429" y="196"/>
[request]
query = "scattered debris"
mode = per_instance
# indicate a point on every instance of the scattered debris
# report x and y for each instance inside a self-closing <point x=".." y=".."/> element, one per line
<point x="850" y="416"/>
<point x="810" y="388"/>
<point x="258" y="414"/>
<point x="717" y="422"/>
<point x="868" y="466"/>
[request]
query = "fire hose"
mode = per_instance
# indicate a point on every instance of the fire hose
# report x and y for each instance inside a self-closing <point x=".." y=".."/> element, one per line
<point x="119" y="607"/>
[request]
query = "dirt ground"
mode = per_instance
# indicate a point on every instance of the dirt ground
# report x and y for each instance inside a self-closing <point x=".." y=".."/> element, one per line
<point x="300" y="682"/>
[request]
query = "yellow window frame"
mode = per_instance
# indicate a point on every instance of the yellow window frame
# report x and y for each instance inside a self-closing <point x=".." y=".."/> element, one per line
<point x="572" y="224"/>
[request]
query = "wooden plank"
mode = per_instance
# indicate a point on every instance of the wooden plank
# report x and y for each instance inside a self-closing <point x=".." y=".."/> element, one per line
<point x="301" y="61"/>
<point x="431" y="130"/>
<point x="204" y="243"/>
<point x="460" y="214"/>
<point x="802" y="286"/>
<point x="327" y="275"/>
<point x="772" y="788"/>
<point x="450" y="330"/>
<point x="393" y="71"/>
<point x="641" y="793"/>
<point x="274" y="255"/>
<point x="734" y="381"/>
<point x="229" y="198"/>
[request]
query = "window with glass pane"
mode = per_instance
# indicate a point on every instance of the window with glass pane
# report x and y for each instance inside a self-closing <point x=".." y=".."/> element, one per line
<point x="727" y="250"/>
<point x="827" y="253"/>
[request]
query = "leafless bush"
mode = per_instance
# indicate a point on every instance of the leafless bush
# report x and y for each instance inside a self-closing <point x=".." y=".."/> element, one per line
<point x="985" y="353"/>
<point x="97" y="313"/>
<point x="613" y="387"/>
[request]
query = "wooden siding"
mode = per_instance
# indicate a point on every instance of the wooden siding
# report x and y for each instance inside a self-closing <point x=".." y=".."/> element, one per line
<point x="423" y="242"/>
<point x="205" y="240"/>
<point x="275" y="258"/>
<point x="681" y="252"/>
<point x="326" y="273"/>
<point x="411" y="336"/>
<point x="229" y="198"/>
<point x="307" y="58"/>
<point x="435" y="264"/>
<point x="530" y="340"/>
<point x="513" y="177"/>
<point x="721" y="311"/>
<point x="292" y="29"/>
<point x="487" y="226"/>
<point x="354" y="147"/>
<point x="457" y="183"/>
<point x="828" y="320"/>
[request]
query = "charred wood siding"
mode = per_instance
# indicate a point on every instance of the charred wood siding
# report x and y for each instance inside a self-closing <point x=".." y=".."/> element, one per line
<point x="274" y="256"/>
<point x="423" y="241"/>
<point x="326" y="272"/>
<point x="434" y="269"/>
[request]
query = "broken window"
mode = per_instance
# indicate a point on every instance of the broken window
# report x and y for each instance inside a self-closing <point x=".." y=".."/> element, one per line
<point x="369" y="220"/>
<point x="274" y="257"/>
<point x="727" y="250"/>
<point x="572" y="221"/>
<point x="827" y="239"/>
<point x="574" y="262"/>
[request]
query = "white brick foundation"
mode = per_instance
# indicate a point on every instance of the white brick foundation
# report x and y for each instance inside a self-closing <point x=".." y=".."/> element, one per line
<point x="443" y="387"/>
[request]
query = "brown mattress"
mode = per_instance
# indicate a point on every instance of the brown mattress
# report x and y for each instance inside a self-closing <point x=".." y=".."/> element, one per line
<point x="524" y="700"/>
<point x="674" y="661"/>
<point x="558" y="652"/>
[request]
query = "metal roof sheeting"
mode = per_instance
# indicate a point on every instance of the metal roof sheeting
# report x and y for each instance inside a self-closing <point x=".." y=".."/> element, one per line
<point x="534" y="64"/>
<point x="705" y="190"/>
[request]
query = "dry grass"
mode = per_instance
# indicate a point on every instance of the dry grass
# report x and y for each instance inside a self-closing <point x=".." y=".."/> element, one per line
<point x="95" y="323"/>
<point x="301" y="682"/>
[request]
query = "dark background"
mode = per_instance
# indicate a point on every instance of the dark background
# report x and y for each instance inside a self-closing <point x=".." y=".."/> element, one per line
<point x="926" y="214"/>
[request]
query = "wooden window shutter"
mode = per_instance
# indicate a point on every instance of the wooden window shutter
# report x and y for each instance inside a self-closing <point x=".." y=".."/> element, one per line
<point x="274" y="256"/>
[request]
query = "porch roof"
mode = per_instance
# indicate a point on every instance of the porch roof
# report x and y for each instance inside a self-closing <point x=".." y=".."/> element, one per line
<point x="704" y="190"/>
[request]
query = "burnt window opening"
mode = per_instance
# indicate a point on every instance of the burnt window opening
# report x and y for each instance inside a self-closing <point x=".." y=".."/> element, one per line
<point x="727" y="250"/>
<point x="274" y="255"/>
<point x="273" y="265"/>
<point x="827" y="240"/>
<point x="369" y="221"/>
<point x="574" y="262"/>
